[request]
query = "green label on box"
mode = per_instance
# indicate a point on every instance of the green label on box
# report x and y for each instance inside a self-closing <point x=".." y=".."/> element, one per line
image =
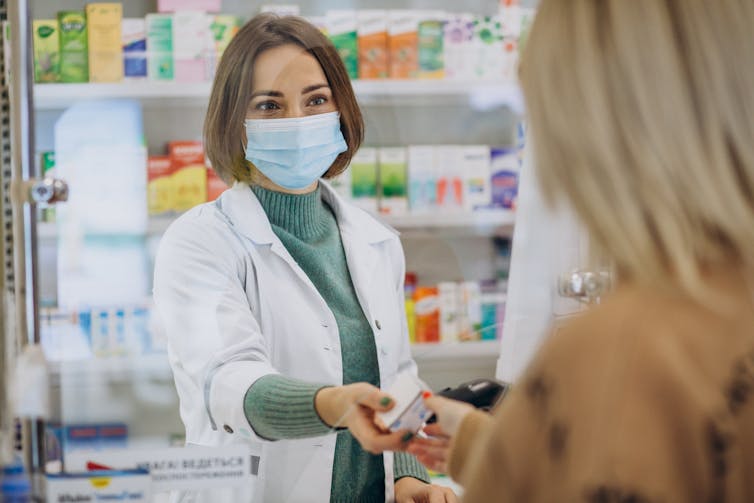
<point x="393" y="179"/>
<point x="46" y="51"/>
<point x="431" y="47"/>
<point x="74" y="50"/>
<point x="160" y="47"/>
<point x="363" y="179"/>
<point x="347" y="45"/>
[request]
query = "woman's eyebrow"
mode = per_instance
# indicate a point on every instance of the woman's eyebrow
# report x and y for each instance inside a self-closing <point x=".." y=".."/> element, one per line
<point x="313" y="87"/>
<point x="275" y="94"/>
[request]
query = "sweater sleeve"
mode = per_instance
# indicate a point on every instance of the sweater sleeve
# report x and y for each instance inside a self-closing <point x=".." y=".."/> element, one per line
<point x="279" y="407"/>
<point x="406" y="465"/>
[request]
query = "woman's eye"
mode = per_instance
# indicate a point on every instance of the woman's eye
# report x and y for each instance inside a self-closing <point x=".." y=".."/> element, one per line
<point x="267" y="105"/>
<point x="319" y="100"/>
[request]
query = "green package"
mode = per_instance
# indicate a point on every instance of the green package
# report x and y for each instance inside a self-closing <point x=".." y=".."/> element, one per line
<point x="74" y="50"/>
<point x="430" y="41"/>
<point x="347" y="45"/>
<point x="224" y="27"/>
<point x="46" y="50"/>
<point x="364" y="173"/>
<point x="160" y="64"/>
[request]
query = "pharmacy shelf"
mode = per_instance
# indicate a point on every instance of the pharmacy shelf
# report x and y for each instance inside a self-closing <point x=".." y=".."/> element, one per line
<point x="455" y="351"/>
<point x="488" y="222"/>
<point x="152" y="367"/>
<point x="155" y="367"/>
<point x="59" y="96"/>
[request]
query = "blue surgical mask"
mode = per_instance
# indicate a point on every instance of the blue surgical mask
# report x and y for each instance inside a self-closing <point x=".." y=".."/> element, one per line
<point x="294" y="153"/>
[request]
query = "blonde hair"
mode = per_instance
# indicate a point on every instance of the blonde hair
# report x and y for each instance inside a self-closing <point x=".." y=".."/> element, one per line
<point x="642" y="119"/>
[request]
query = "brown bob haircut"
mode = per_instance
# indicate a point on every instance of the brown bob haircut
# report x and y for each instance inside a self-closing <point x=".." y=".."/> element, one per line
<point x="224" y="134"/>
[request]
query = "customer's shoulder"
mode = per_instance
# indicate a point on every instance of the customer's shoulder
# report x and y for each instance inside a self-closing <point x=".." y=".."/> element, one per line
<point x="631" y="317"/>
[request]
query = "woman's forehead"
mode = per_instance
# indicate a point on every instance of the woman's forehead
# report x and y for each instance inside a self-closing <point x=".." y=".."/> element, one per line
<point x="286" y="68"/>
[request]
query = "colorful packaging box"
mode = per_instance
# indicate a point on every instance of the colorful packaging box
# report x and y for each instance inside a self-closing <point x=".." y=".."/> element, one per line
<point x="403" y="44"/>
<point x="393" y="180"/>
<point x="74" y="50"/>
<point x="215" y="185"/>
<point x="450" y="189"/>
<point x="504" y="167"/>
<point x="134" y="41"/>
<point x="46" y="50"/>
<point x="160" y="61"/>
<point x="104" y="22"/>
<point x="430" y="38"/>
<point x="189" y="174"/>
<point x="457" y="46"/>
<point x="470" y="311"/>
<point x="190" y="5"/>
<point x="373" y="48"/>
<point x="475" y="167"/>
<point x="192" y="39"/>
<point x="427" y="314"/>
<point x="488" y="50"/>
<point x="342" y="29"/>
<point x="160" y="187"/>
<point x="223" y="28"/>
<point x="422" y="178"/>
<point x="448" y="301"/>
<point x="364" y="179"/>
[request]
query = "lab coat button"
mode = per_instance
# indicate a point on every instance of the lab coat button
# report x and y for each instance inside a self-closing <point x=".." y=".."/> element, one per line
<point x="377" y="324"/>
<point x="228" y="429"/>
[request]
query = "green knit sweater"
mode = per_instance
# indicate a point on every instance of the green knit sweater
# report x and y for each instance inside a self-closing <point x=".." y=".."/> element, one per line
<point x="278" y="407"/>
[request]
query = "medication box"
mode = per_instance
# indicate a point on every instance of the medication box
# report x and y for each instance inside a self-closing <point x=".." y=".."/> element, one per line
<point x="403" y="44"/>
<point x="105" y="44"/>
<point x="373" y="48"/>
<point x="134" y="40"/>
<point x="504" y="165"/>
<point x="74" y="51"/>
<point x="224" y="28"/>
<point x="364" y="179"/>
<point x="160" y="64"/>
<point x="189" y="174"/>
<point x="393" y="180"/>
<point x="475" y="166"/>
<point x="409" y="412"/>
<point x="160" y="187"/>
<point x="422" y="178"/>
<point x="191" y="42"/>
<point x="46" y="50"/>
<point x="430" y="46"/>
<point x="342" y="30"/>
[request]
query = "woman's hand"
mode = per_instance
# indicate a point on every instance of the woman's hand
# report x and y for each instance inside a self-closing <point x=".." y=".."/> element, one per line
<point x="433" y="451"/>
<point x="411" y="490"/>
<point x="354" y="406"/>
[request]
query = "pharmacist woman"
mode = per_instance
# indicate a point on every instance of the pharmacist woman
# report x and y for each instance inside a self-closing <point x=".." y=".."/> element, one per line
<point x="283" y="304"/>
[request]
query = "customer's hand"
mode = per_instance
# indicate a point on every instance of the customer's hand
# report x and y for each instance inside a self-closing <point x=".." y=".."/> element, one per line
<point x="411" y="490"/>
<point x="434" y="450"/>
<point x="354" y="406"/>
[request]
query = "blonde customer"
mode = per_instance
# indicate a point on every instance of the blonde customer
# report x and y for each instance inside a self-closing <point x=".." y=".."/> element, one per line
<point x="642" y="117"/>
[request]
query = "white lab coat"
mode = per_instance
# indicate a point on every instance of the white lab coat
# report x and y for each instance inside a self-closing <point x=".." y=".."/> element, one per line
<point x="236" y="307"/>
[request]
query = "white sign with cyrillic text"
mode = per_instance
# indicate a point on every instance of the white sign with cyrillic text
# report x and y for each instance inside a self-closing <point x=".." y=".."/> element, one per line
<point x="187" y="468"/>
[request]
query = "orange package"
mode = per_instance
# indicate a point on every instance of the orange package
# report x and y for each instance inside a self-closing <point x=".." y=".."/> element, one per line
<point x="189" y="173"/>
<point x="373" y="46"/>
<point x="403" y="45"/>
<point x="427" y="314"/>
